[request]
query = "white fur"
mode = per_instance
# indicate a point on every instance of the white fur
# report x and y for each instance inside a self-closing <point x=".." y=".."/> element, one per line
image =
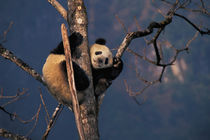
<point x="56" y="79"/>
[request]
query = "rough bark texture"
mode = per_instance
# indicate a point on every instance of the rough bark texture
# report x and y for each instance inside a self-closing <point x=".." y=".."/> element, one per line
<point x="10" y="56"/>
<point x="77" y="20"/>
<point x="72" y="86"/>
<point x="6" y="134"/>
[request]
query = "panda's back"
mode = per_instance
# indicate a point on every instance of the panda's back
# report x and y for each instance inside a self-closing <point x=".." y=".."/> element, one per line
<point x="56" y="79"/>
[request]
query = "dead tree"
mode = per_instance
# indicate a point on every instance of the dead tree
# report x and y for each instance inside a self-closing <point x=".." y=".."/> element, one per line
<point x="86" y="114"/>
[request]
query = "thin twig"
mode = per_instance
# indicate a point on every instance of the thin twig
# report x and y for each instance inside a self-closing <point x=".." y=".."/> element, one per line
<point x="35" y="123"/>
<point x="141" y="57"/>
<point x="17" y="97"/>
<point x="4" y="38"/>
<point x="14" y="116"/>
<point x="137" y="102"/>
<point x="45" y="107"/>
<point x="164" y="66"/>
<point x="131" y="93"/>
<point x="207" y="32"/>
<point x="14" y="96"/>
<point x="202" y="10"/>
<point x="122" y="24"/>
<point x="137" y="24"/>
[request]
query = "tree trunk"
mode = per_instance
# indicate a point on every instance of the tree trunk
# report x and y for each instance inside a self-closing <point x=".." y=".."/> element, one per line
<point x="77" y="20"/>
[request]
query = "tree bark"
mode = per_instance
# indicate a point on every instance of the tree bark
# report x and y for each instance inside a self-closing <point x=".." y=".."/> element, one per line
<point x="77" y="20"/>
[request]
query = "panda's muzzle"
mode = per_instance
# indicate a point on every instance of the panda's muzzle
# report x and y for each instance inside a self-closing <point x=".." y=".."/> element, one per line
<point x="100" y="61"/>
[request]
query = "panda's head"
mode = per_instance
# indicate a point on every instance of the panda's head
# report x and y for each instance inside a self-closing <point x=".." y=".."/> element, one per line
<point x="100" y="54"/>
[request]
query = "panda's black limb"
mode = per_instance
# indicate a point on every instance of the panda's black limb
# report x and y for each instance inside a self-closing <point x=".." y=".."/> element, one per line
<point x="102" y="78"/>
<point x="75" y="39"/>
<point x="80" y="77"/>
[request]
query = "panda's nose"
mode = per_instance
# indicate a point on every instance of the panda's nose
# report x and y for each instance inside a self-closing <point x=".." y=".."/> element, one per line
<point x="100" y="61"/>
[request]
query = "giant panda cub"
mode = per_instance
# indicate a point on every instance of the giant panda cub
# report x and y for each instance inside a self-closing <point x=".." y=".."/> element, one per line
<point x="104" y="70"/>
<point x="55" y="72"/>
<point x="105" y="67"/>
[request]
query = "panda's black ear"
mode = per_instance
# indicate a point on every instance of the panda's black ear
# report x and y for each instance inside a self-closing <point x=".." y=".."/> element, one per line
<point x="100" y="41"/>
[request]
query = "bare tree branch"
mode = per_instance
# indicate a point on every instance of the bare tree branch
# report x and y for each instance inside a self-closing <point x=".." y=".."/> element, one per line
<point x="10" y="56"/>
<point x="36" y="117"/>
<point x="201" y="9"/>
<point x="72" y="87"/>
<point x="12" y="116"/>
<point x="14" y="98"/>
<point x="15" y="116"/>
<point x="160" y="25"/>
<point x="59" y="8"/>
<point x="45" y="107"/>
<point x="78" y="22"/>
<point x="164" y="66"/>
<point x="19" y="93"/>
<point x="158" y="50"/>
<point x="6" y="134"/>
<point x="52" y="121"/>
<point x="132" y="35"/>
<point x="123" y="25"/>
<point x="192" y="24"/>
<point x="4" y="37"/>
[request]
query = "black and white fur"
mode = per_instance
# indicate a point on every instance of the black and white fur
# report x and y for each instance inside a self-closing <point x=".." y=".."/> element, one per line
<point x="55" y="73"/>
<point x="103" y="73"/>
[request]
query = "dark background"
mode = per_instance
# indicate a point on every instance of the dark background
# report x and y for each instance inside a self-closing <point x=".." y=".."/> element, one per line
<point x="176" y="109"/>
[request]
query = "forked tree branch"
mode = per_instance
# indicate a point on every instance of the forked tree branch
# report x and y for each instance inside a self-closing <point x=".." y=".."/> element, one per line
<point x="158" y="50"/>
<point x="159" y="25"/>
<point x="207" y="32"/>
<point x="133" y="35"/>
<point x="54" y="117"/>
<point x="10" y="56"/>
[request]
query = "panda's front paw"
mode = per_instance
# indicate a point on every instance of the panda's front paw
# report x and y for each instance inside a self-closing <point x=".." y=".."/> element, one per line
<point x="117" y="62"/>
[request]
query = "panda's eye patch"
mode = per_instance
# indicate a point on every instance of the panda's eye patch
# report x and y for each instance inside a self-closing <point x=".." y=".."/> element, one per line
<point x="106" y="61"/>
<point x="98" y="52"/>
